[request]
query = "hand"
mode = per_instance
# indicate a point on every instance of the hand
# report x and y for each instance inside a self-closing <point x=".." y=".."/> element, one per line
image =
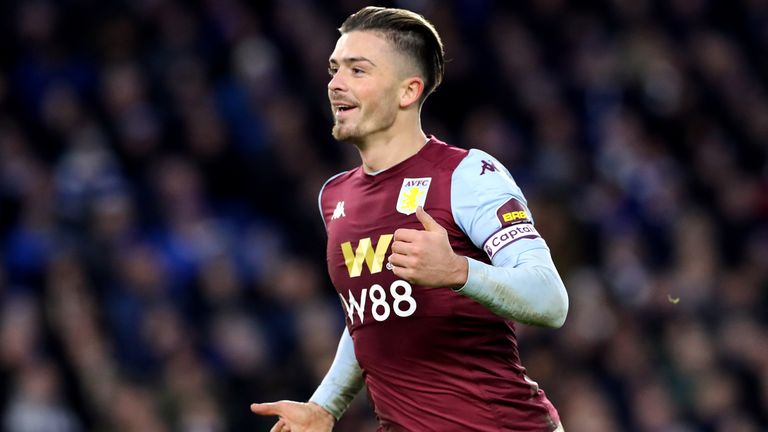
<point x="426" y="257"/>
<point x="296" y="416"/>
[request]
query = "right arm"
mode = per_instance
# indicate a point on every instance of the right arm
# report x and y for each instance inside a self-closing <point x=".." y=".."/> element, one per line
<point x="340" y="385"/>
<point x="332" y="397"/>
<point x="343" y="380"/>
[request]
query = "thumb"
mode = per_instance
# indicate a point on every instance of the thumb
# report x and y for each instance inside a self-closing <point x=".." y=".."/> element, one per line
<point x="426" y="220"/>
<point x="271" y="409"/>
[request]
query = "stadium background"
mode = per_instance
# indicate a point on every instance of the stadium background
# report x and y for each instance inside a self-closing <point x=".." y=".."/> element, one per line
<point x="162" y="258"/>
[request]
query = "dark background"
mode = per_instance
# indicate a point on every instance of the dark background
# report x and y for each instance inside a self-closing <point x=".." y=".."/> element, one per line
<point x="161" y="255"/>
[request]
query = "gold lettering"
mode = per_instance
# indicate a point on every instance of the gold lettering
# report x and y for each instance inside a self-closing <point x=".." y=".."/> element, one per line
<point x="515" y="215"/>
<point x="374" y="259"/>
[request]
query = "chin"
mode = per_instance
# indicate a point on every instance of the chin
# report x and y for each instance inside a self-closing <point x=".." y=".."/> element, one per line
<point x="343" y="134"/>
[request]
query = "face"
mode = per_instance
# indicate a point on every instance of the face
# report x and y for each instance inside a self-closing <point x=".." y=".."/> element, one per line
<point x="363" y="89"/>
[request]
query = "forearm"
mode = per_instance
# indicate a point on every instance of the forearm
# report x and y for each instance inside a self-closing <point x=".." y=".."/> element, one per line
<point x="343" y="380"/>
<point x="530" y="292"/>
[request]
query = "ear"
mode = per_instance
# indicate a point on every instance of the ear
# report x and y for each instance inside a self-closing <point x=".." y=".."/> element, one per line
<point x="411" y="90"/>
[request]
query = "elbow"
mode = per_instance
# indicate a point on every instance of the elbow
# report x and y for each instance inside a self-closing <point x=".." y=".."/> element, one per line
<point x="556" y="318"/>
<point x="554" y="314"/>
<point x="555" y="308"/>
<point x="558" y="310"/>
<point x="553" y="318"/>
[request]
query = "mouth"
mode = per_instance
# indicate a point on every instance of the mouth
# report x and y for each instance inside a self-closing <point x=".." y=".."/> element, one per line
<point x="342" y="109"/>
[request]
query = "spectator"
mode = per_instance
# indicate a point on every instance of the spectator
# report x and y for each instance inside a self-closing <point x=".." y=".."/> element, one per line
<point x="159" y="169"/>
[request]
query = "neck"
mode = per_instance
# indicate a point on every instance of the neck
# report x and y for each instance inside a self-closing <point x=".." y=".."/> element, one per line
<point x="387" y="150"/>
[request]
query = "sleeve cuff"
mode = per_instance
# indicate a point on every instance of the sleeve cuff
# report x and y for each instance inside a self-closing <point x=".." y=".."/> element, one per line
<point x="474" y="275"/>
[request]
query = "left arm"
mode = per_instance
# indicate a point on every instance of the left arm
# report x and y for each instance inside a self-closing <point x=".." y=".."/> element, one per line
<point x="527" y="289"/>
<point x="530" y="292"/>
<point x="522" y="283"/>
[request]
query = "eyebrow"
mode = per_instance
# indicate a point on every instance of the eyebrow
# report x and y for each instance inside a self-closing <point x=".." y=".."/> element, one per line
<point x="350" y="60"/>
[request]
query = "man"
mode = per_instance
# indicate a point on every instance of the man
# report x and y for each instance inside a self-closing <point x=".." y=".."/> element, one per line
<point x="429" y="327"/>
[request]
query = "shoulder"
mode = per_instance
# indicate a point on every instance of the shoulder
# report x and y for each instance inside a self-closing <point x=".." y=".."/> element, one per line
<point x="485" y="197"/>
<point x="335" y="183"/>
<point x="338" y="182"/>
<point x="338" y="179"/>
<point x="482" y="163"/>
<point x="473" y="162"/>
<point x="443" y="156"/>
<point x="329" y="186"/>
<point x="483" y="173"/>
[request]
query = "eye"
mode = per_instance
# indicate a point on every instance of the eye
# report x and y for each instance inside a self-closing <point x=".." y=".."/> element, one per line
<point x="357" y="71"/>
<point x="332" y="70"/>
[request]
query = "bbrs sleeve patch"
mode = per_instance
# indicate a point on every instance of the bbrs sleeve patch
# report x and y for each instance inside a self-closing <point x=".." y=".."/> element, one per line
<point x="513" y="212"/>
<point x="516" y="224"/>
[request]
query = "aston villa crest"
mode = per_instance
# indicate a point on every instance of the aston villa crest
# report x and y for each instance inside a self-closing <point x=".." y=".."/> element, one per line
<point x="413" y="194"/>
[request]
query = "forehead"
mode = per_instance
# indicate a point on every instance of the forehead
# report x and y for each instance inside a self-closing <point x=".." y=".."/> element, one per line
<point x="362" y="44"/>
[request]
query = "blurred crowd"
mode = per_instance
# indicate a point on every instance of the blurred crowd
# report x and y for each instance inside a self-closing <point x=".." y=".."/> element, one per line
<point x="162" y="259"/>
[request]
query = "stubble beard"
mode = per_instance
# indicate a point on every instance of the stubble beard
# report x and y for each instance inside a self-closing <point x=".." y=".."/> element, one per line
<point x="356" y="134"/>
<point x="343" y="133"/>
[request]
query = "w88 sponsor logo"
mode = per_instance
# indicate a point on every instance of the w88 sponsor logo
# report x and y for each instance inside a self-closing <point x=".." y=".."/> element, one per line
<point x="380" y="307"/>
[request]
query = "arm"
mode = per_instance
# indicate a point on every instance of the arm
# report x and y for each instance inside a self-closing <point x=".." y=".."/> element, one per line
<point x="343" y="380"/>
<point x="530" y="292"/>
<point x="527" y="288"/>
<point x="340" y="385"/>
<point x="522" y="284"/>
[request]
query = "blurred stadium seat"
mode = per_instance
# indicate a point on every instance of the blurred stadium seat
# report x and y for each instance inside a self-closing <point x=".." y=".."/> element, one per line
<point x="162" y="260"/>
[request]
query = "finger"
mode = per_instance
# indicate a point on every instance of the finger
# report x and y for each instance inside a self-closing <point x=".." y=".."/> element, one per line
<point x="402" y="272"/>
<point x="398" y="260"/>
<point x="402" y="248"/>
<point x="278" y="427"/>
<point x="427" y="221"/>
<point x="406" y="235"/>
<point x="267" y="409"/>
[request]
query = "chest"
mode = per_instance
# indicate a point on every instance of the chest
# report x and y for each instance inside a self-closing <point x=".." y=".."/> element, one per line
<point x="361" y="219"/>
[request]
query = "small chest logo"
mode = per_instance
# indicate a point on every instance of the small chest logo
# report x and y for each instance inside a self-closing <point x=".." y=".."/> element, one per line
<point x="338" y="212"/>
<point x="413" y="194"/>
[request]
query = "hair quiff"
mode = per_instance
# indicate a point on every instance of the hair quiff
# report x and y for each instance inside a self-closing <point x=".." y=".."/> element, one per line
<point x="410" y="33"/>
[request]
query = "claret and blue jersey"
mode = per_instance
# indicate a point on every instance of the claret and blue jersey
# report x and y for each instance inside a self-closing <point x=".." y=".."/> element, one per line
<point x="432" y="358"/>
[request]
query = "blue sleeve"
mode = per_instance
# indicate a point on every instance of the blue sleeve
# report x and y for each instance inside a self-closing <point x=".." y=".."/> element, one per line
<point x="481" y="191"/>
<point x="343" y="380"/>
<point x="522" y="283"/>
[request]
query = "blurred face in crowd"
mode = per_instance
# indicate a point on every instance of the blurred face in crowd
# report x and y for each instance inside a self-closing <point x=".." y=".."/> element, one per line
<point x="368" y="81"/>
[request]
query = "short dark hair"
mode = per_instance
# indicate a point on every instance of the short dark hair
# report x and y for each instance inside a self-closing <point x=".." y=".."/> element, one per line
<point x="410" y="33"/>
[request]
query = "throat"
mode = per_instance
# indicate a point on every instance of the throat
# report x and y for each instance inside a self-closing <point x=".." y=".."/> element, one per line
<point x="377" y="157"/>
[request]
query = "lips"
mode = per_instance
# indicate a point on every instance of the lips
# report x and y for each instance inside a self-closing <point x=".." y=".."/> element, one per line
<point x="344" y="112"/>
<point x="342" y="108"/>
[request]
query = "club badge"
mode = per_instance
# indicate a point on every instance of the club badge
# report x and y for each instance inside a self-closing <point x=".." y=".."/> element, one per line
<point x="413" y="194"/>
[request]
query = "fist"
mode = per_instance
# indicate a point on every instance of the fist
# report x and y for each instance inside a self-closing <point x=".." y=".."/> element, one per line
<point x="425" y="257"/>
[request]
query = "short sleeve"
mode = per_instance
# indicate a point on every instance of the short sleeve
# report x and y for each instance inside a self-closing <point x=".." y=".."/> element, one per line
<point x="490" y="208"/>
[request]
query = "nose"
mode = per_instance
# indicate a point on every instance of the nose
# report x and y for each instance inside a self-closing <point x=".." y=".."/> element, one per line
<point x="336" y="84"/>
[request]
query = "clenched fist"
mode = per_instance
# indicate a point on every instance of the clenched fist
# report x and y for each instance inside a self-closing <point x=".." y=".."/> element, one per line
<point x="425" y="257"/>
